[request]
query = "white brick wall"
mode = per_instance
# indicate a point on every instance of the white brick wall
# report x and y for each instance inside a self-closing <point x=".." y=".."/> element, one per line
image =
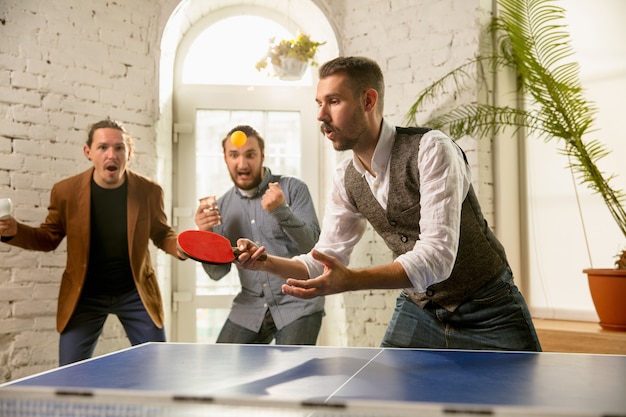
<point x="65" y="64"/>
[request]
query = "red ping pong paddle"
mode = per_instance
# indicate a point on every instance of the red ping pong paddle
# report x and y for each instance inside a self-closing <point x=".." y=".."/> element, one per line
<point x="208" y="247"/>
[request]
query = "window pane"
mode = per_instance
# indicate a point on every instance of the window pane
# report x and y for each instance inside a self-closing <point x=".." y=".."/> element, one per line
<point x="210" y="60"/>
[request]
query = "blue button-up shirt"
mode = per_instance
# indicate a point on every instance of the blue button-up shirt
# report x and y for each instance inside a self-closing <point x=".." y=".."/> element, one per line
<point x="289" y="230"/>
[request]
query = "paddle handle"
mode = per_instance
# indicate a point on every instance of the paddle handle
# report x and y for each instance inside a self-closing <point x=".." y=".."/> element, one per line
<point x="237" y="252"/>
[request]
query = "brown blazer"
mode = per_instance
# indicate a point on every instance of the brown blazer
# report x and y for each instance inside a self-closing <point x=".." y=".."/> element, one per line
<point x="69" y="215"/>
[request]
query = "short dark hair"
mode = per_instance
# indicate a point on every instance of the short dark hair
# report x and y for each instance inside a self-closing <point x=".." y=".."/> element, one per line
<point x="362" y="73"/>
<point x="249" y="131"/>
<point x="112" y="124"/>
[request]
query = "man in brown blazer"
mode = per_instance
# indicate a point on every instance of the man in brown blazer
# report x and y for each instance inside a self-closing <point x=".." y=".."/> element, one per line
<point x="109" y="214"/>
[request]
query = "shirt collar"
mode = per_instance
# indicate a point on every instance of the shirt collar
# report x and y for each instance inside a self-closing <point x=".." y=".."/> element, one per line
<point x="382" y="152"/>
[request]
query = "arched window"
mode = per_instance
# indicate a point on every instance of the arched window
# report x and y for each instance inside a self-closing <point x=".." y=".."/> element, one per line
<point x="211" y="60"/>
<point x="216" y="87"/>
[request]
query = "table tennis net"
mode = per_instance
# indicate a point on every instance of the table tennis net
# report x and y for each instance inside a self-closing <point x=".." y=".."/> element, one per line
<point x="35" y="402"/>
<point x="46" y="402"/>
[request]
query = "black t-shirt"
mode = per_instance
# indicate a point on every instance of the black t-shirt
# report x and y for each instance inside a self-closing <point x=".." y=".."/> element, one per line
<point x="109" y="271"/>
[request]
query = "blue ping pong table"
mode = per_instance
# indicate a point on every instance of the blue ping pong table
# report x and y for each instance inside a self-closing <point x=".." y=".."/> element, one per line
<point x="186" y="379"/>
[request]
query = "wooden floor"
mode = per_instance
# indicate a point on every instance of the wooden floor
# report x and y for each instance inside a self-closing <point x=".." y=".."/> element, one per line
<point x="579" y="337"/>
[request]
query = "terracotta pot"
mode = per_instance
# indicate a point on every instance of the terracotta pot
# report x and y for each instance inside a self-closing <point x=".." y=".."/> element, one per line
<point x="608" y="291"/>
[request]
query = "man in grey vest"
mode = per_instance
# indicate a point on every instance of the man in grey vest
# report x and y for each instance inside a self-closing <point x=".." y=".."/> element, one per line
<point x="413" y="186"/>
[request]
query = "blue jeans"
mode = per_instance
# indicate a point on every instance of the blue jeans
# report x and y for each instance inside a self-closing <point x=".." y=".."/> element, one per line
<point x="302" y="331"/>
<point x="80" y="336"/>
<point x="495" y="317"/>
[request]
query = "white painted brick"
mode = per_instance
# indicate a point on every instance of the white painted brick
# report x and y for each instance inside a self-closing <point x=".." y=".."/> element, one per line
<point x="383" y="317"/>
<point x="40" y="68"/>
<point x="142" y="118"/>
<point x="6" y="145"/>
<point x="85" y="107"/>
<point x="39" y="275"/>
<point x="68" y="151"/>
<point x="11" y="129"/>
<point x="66" y="166"/>
<point x="63" y="124"/>
<point x="19" y="357"/>
<point x="29" y="147"/>
<point x="113" y="337"/>
<point x="12" y="293"/>
<point x="91" y="77"/>
<point x="77" y="135"/>
<point x="87" y="92"/>
<point x="53" y="103"/>
<point x="5" y="369"/>
<point x="55" y="82"/>
<point x="46" y="322"/>
<point x="31" y="217"/>
<point x="50" y="269"/>
<point x="43" y="183"/>
<point x="5" y="308"/>
<point x="32" y="115"/>
<point x="11" y="162"/>
<point x="22" y="181"/>
<point x="4" y="179"/>
<point x="5" y="77"/>
<point x="9" y="47"/>
<point x="11" y="324"/>
<point x="109" y="96"/>
<point x="10" y="59"/>
<point x="27" y="309"/>
<point x="37" y="338"/>
<point x="45" y="354"/>
<point x="353" y="299"/>
<point x="24" y="80"/>
<point x="19" y="96"/>
<point x="55" y="259"/>
<point x="136" y="102"/>
<point x="114" y="38"/>
<point x="36" y="165"/>
<point x="45" y="291"/>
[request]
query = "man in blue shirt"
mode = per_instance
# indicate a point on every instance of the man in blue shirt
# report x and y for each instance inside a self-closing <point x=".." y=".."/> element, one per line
<point x="277" y="212"/>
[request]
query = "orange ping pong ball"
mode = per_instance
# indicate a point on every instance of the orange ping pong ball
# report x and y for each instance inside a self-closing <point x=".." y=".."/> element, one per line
<point x="238" y="138"/>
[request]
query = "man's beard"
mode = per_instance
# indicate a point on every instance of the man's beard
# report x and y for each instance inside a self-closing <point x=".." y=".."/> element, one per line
<point x="250" y="184"/>
<point x="340" y="141"/>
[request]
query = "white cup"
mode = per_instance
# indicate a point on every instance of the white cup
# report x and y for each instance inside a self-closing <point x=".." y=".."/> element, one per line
<point x="6" y="208"/>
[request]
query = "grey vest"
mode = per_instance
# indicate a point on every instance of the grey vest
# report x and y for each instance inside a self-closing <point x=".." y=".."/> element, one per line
<point x="480" y="255"/>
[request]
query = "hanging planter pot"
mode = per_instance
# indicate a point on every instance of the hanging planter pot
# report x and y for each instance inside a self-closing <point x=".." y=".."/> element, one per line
<point x="290" y="69"/>
<point x="290" y="57"/>
<point x="608" y="292"/>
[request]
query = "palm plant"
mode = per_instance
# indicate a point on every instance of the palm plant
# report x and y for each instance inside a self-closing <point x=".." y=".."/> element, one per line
<point x="533" y="43"/>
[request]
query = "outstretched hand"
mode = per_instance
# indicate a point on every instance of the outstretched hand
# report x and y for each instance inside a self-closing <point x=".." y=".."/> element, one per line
<point x="250" y="254"/>
<point x="336" y="278"/>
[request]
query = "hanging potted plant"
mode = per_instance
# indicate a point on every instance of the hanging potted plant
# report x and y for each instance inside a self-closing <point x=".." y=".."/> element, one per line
<point x="290" y="57"/>
<point x="533" y="43"/>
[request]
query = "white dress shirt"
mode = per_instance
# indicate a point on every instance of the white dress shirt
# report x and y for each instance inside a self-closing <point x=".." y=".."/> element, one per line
<point x="444" y="183"/>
